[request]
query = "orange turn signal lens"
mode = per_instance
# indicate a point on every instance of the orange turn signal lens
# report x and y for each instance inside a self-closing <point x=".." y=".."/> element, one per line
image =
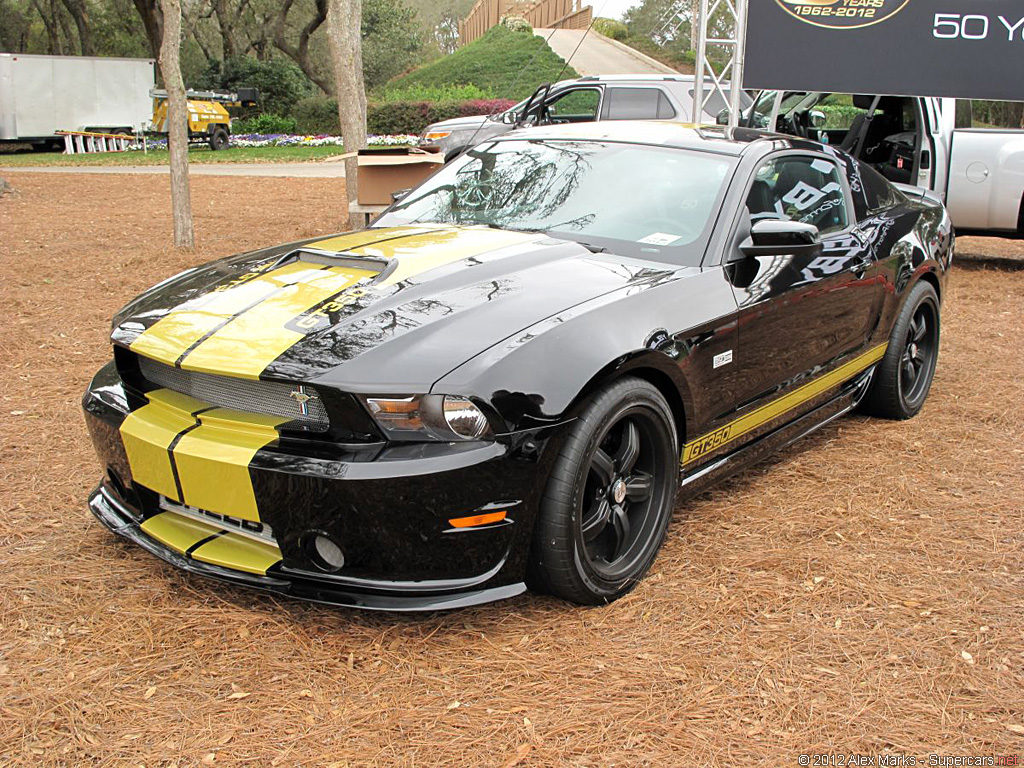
<point x="474" y="520"/>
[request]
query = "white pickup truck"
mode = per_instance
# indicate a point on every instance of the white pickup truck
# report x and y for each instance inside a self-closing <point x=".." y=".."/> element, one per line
<point x="924" y="142"/>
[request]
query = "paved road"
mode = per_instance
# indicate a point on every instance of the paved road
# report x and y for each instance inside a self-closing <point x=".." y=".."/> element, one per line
<point x="599" y="55"/>
<point x="301" y="170"/>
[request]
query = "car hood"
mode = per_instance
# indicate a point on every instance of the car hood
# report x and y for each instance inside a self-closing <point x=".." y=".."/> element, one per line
<point x="387" y="310"/>
<point x="459" y="124"/>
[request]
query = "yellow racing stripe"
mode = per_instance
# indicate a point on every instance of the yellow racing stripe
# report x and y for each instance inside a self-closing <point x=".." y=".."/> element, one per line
<point x="761" y="416"/>
<point x="172" y="335"/>
<point x="177" y="531"/>
<point x="254" y="339"/>
<point x="213" y="461"/>
<point x="147" y="435"/>
<point x="239" y="553"/>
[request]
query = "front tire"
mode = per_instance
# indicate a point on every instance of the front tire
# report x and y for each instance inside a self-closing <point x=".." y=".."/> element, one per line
<point x="904" y="376"/>
<point x="609" y="497"/>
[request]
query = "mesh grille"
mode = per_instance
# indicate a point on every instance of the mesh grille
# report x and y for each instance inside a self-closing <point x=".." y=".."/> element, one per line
<point x="266" y="397"/>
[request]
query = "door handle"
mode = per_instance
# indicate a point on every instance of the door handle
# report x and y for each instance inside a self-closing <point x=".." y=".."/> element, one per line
<point x="860" y="268"/>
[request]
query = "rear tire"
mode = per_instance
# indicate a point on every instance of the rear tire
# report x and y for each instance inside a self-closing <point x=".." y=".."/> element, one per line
<point x="904" y="376"/>
<point x="609" y="497"/>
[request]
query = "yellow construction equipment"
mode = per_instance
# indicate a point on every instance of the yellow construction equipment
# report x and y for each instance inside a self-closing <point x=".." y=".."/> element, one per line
<point x="208" y="117"/>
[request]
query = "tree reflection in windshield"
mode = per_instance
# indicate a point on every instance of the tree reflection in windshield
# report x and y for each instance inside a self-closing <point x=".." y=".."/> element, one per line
<point x="652" y="197"/>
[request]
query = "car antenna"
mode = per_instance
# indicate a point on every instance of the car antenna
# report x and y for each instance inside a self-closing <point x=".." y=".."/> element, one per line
<point x="536" y="53"/>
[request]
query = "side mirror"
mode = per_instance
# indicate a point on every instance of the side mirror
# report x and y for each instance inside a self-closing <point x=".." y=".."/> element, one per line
<point x="722" y="118"/>
<point x="771" y="237"/>
<point x="816" y="119"/>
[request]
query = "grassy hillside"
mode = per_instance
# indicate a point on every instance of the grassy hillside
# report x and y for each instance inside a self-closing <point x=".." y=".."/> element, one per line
<point x="493" y="63"/>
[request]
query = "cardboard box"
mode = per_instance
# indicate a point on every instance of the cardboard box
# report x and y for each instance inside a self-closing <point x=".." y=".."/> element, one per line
<point x="383" y="172"/>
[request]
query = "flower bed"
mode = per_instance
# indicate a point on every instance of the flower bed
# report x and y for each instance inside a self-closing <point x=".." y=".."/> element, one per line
<point x="287" y="140"/>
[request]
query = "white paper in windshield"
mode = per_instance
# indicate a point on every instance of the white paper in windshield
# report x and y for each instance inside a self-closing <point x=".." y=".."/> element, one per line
<point x="660" y="238"/>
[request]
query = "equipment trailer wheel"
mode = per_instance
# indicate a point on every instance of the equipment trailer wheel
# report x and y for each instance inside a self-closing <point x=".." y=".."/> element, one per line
<point x="219" y="139"/>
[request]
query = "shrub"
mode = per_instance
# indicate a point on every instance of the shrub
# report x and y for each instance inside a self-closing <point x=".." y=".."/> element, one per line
<point x="265" y="123"/>
<point x="516" y="23"/>
<point x="413" y="116"/>
<point x="616" y="30"/>
<point x="281" y="82"/>
<point x="316" y="115"/>
<point x="421" y="92"/>
<point x="503" y="63"/>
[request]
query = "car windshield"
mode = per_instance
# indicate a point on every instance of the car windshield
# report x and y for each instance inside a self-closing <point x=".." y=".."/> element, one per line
<point x="629" y="198"/>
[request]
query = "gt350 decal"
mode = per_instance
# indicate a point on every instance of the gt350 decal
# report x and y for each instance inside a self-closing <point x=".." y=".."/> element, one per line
<point x="761" y="416"/>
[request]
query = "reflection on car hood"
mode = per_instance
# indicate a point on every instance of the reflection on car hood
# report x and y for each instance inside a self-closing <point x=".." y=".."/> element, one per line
<point x="393" y="309"/>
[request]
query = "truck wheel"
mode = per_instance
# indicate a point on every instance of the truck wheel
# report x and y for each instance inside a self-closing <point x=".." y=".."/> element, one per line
<point x="904" y="376"/>
<point x="609" y="496"/>
<point x="219" y="139"/>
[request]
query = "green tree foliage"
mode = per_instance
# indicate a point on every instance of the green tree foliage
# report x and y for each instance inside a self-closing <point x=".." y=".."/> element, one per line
<point x="503" y="63"/>
<point x="280" y="81"/>
<point x="612" y="28"/>
<point x="392" y="40"/>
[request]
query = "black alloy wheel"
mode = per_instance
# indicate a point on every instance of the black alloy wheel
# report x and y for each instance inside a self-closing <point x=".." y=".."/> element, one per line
<point x="609" y="497"/>
<point x="904" y="376"/>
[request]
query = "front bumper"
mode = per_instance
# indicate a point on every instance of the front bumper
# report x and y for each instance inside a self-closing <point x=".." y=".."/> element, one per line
<point x="388" y="506"/>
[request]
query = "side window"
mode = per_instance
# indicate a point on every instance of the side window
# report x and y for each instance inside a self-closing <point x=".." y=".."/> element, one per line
<point x="807" y="189"/>
<point x="842" y="109"/>
<point x="637" y="104"/>
<point x="578" y="105"/>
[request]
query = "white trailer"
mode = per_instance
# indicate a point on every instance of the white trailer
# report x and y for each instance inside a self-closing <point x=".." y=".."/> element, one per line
<point x="40" y="95"/>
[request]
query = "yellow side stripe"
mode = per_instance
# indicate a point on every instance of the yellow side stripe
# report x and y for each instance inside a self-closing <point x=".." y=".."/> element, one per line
<point x="254" y="339"/>
<point x="748" y="422"/>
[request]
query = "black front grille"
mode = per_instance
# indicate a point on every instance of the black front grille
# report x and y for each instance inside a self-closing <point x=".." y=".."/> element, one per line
<point x="266" y="397"/>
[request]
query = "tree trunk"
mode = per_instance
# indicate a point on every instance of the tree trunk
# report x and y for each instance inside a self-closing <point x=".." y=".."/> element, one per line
<point x="80" y="13"/>
<point x="152" y="16"/>
<point x="300" y="53"/>
<point x="344" y="23"/>
<point x="177" y="124"/>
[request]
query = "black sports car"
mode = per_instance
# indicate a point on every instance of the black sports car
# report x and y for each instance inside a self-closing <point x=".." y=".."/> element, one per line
<point x="509" y="379"/>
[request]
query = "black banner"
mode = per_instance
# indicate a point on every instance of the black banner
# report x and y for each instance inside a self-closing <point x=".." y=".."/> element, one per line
<point x="972" y="49"/>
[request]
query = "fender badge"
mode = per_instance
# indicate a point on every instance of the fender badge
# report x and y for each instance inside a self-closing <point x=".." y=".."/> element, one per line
<point x="721" y="359"/>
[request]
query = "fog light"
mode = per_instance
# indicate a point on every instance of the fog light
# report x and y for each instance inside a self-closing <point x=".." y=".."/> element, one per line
<point x="324" y="552"/>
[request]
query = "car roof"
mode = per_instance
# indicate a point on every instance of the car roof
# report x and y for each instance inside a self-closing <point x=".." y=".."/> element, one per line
<point x="707" y="138"/>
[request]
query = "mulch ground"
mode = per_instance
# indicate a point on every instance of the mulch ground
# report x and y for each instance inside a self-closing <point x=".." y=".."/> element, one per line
<point x="862" y="592"/>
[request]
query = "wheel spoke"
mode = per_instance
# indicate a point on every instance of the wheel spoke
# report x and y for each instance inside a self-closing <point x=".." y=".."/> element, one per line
<point x="909" y="374"/>
<point x="594" y="525"/>
<point x="629" y="449"/>
<point x="620" y="523"/>
<point x="918" y="328"/>
<point x="638" y="487"/>
<point x="603" y="466"/>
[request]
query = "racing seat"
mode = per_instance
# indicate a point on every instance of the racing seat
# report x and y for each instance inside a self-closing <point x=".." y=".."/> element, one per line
<point x="761" y="202"/>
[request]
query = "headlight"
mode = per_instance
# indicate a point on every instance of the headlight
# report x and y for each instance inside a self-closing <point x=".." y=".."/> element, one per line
<point x="435" y="135"/>
<point x="428" y="417"/>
